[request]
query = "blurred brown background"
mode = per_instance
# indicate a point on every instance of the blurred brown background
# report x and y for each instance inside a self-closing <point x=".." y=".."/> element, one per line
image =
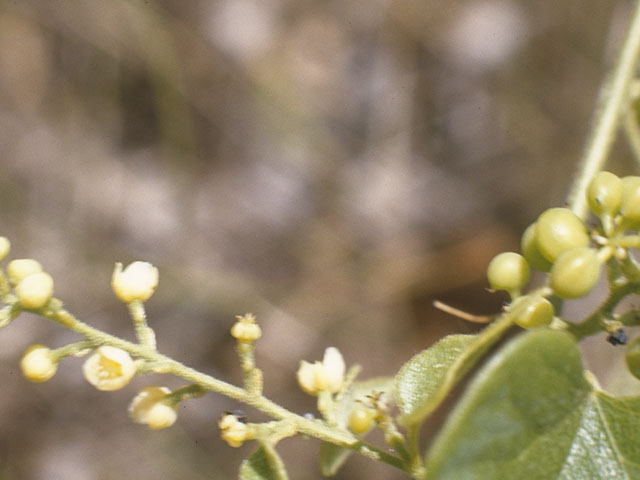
<point x="330" y="166"/>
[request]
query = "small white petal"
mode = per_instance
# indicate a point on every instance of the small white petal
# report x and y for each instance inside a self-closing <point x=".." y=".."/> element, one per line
<point x="334" y="367"/>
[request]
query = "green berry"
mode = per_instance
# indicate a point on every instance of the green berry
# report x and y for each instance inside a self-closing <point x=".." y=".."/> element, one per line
<point x="508" y="271"/>
<point x="530" y="251"/>
<point x="361" y="419"/>
<point x="604" y="193"/>
<point x="559" y="230"/>
<point x="532" y="312"/>
<point x="575" y="273"/>
<point x="630" y="202"/>
<point x="632" y="357"/>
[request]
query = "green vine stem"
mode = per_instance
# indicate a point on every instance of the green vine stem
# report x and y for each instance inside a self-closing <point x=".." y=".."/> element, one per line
<point x="145" y="335"/>
<point x="632" y="131"/>
<point x="312" y="428"/>
<point x="593" y="323"/>
<point x="611" y="107"/>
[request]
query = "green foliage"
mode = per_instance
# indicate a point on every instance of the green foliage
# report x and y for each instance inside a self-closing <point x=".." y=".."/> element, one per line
<point x="332" y="458"/>
<point x="424" y="381"/>
<point x="263" y="464"/>
<point x="530" y="414"/>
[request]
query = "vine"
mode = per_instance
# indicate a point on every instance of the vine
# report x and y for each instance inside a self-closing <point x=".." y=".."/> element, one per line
<point x="535" y="385"/>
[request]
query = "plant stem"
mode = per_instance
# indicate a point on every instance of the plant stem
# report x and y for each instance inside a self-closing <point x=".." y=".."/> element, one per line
<point x="611" y="104"/>
<point x="312" y="428"/>
<point x="145" y="335"/>
<point x="632" y="131"/>
<point x="593" y="323"/>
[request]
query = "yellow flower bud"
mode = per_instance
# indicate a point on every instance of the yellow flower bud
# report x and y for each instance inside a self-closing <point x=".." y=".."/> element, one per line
<point x="20" y="268"/>
<point x="233" y="431"/>
<point x="5" y="247"/>
<point x="136" y="282"/>
<point x="148" y="408"/>
<point x="246" y="329"/>
<point x="109" y="368"/>
<point x="35" y="290"/>
<point x="37" y="364"/>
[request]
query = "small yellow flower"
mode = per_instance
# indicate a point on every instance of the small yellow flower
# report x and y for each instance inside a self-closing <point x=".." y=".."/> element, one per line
<point x="5" y="247"/>
<point x="109" y="368"/>
<point x="246" y="329"/>
<point x="35" y="290"/>
<point x="148" y="408"/>
<point x="233" y="431"/>
<point x="321" y="376"/>
<point x="20" y="268"/>
<point x="312" y="377"/>
<point x="136" y="282"/>
<point x="37" y="364"/>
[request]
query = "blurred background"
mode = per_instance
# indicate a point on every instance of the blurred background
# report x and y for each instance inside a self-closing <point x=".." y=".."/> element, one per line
<point x="332" y="167"/>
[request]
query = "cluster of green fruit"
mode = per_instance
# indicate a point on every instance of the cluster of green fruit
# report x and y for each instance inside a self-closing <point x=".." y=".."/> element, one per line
<point x="559" y="243"/>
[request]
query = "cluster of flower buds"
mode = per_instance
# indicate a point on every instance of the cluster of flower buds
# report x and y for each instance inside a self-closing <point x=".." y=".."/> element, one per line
<point x="32" y="286"/>
<point x="108" y="368"/>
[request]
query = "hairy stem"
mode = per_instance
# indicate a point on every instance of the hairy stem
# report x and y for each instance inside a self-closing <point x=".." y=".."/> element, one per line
<point x="611" y="105"/>
<point x="312" y="428"/>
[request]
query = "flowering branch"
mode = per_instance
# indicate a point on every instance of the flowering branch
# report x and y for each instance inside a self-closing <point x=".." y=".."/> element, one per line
<point x="112" y="367"/>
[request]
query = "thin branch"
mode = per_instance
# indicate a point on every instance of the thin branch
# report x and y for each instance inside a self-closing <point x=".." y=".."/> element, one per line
<point x="611" y="104"/>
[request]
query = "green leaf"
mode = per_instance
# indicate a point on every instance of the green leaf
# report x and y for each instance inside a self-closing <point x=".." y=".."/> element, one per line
<point x="263" y="464"/>
<point x="332" y="457"/>
<point x="424" y="381"/>
<point x="531" y="415"/>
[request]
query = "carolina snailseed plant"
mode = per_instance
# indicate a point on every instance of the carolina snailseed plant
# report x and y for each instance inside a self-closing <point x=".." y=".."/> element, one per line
<point x="531" y="412"/>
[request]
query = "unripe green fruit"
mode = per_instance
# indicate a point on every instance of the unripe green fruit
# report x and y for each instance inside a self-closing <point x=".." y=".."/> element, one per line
<point x="361" y="419"/>
<point x="632" y="357"/>
<point x="604" y="193"/>
<point x="532" y="312"/>
<point x="575" y="273"/>
<point x="559" y="230"/>
<point x="530" y="251"/>
<point x="630" y="202"/>
<point x="508" y="271"/>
